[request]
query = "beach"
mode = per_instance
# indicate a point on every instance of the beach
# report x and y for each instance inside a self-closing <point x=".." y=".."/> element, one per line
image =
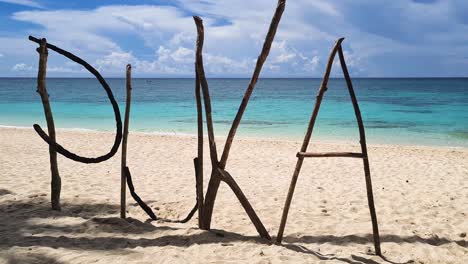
<point x="420" y="195"/>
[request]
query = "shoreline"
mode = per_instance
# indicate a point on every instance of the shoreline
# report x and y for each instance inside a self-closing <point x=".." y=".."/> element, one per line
<point x="221" y="138"/>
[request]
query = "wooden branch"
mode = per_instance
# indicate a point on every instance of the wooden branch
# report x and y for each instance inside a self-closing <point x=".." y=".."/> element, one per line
<point x="124" y="142"/>
<point x="226" y="177"/>
<point x="214" y="179"/>
<point x="323" y="88"/>
<point x="329" y="154"/>
<point x="305" y="144"/>
<point x="118" y="136"/>
<point x="185" y="220"/>
<point x="198" y="161"/>
<point x="147" y="209"/>
<point x="362" y="135"/>
<point x="189" y="216"/>
<point x="56" y="182"/>
<point x="260" y="61"/>
<point x="137" y="198"/>
<point x="200" y="71"/>
<point x="199" y="189"/>
<point x="210" y="198"/>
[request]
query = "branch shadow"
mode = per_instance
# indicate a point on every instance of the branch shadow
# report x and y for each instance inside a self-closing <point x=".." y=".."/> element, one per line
<point x="353" y="260"/>
<point x="5" y="192"/>
<point x="365" y="239"/>
<point x="117" y="243"/>
<point x="19" y="227"/>
<point x="30" y="258"/>
<point x="305" y="250"/>
<point x="20" y="219"/>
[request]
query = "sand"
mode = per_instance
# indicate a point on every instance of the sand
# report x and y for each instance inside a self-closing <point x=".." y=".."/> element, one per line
<point x="421" y="195"/>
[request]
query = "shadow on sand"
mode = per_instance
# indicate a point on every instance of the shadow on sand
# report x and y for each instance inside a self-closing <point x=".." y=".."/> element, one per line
<point x="18" y="230"/>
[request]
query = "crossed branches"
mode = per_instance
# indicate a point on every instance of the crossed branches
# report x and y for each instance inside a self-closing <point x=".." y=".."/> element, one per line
<point x="218" y="173"/>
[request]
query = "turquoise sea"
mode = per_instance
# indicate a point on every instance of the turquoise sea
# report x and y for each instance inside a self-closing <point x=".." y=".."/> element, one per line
<point x="418" y="111"/>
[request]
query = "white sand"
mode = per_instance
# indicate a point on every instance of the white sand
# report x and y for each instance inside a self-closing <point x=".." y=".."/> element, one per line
<point x="421" y="196"/>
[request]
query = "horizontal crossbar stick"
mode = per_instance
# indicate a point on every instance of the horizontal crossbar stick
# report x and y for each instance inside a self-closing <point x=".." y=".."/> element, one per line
<point x="329" y="154"/>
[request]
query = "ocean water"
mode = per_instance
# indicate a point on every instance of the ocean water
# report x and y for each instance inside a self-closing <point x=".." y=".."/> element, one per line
<point x="395" y="111"/>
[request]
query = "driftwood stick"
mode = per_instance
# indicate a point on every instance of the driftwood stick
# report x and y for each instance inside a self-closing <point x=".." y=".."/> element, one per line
<point x="226" y="177"/>
<point x="198" y="161"/>
<point x="124" y="142"/>
<point x="260" y="61"/>
<point x="329" y="154"/>
<point x="214" y="179"/>
<point x="200" y="71"/>
<point x="196" y="207"/>
<point x="189" y="216"/>
<point x="362" y="135"/>
<point x="214" y="183"/>
<point x="137" y="198"/>
<point x="146" y="208"/>
<point x="118" y="136"/>
<point x="300" y="159"/>
<point x="183" y="221"/>
<point x="210" y="197"/>
<point x="199" y="189"/>
<point x="56" y="183"/>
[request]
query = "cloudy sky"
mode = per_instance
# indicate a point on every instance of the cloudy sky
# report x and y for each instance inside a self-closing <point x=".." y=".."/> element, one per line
<point x="385" y="38"/>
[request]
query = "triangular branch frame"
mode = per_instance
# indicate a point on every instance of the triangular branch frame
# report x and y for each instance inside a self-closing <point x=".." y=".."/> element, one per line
<point x="304" y="154"/>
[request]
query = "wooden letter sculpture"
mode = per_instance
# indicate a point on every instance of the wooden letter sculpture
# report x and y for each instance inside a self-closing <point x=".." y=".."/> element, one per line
<point x="50" y="139"/>
<point x="218" y="172"/>
<point x="363" y="155"/>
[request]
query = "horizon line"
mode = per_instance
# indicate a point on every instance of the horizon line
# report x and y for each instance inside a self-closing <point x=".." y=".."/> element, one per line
<point x="114" y="77"/>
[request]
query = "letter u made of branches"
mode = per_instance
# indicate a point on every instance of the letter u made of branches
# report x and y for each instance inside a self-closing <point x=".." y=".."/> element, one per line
<point x="118" y="136"/>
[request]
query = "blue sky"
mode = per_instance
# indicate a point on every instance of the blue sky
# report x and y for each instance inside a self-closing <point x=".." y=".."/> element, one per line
<point x="386" y="38"/>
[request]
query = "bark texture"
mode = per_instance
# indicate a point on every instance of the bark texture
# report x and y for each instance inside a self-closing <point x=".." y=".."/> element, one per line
<point x="56" y="182"/>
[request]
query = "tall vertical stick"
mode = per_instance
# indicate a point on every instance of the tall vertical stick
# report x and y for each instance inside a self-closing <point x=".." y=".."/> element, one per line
<point x="56" y="183"/>
<point x="362" y="135"/>
<point x="198" y="161"/>
<point x="200" y="71"/>
<point x="123" y="174"/>
<point x="300" y="159"/>
<point x="215" y="178"/>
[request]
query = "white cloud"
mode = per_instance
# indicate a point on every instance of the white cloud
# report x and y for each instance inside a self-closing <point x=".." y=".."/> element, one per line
<point x="1" y="55"/>
<point x="115" y="61"/>
<point x="29" y="3"/>
<point x="21" y="67"/>
<point x="183" y="55"/>
<point x="163" y="37"/>
<point x="62" y="69"/>
<point x="315" y="60"/>
<point x="230" y="47"/>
